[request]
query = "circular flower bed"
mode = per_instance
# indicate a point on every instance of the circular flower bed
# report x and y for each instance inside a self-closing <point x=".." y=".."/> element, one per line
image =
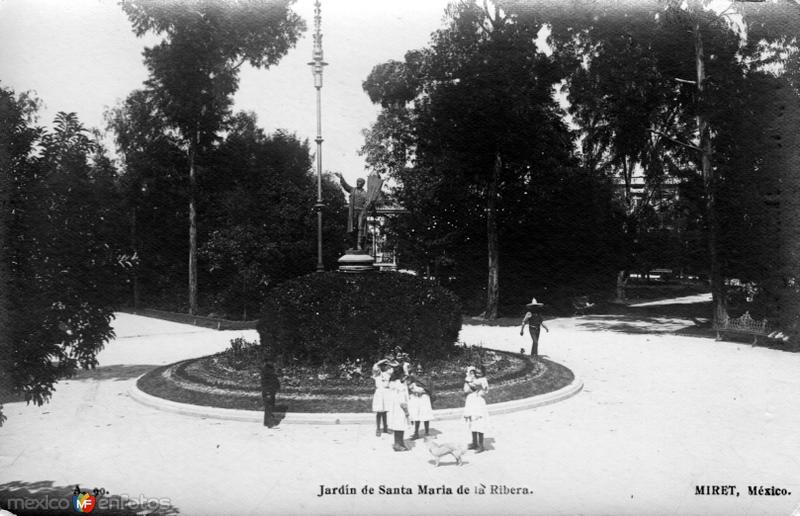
<point x="220" y="381"/>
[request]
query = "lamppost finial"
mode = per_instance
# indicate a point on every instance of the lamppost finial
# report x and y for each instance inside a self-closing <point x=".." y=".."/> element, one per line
<point x="317" y="61"/>
<point x="317" y="31"/>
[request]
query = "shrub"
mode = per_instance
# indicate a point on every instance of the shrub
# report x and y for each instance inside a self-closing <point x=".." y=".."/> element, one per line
<point x="242" y="353"/>
<point x="333" y="317"/>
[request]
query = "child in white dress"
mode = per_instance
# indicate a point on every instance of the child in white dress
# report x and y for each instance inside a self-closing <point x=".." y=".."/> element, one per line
<point x="420" y="390"/>
<point x="476" y="413"/>
<point x="398" y="407"/>
<point x="381" y="372"/>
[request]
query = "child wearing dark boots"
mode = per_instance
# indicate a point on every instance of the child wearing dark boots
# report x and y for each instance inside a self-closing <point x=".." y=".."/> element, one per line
<point x="420" y="391"/>
<point x="476" y="413"/>
<point x="398" y="406"/>
<point x="381" y="372"/>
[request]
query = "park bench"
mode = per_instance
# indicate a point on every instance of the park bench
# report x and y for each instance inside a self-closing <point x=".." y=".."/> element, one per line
<point x="744" y="324"/>
<point x="580" y="304"/>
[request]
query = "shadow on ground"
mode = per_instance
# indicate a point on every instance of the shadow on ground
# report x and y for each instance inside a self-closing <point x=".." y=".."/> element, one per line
<point x="681" y="310"/>
<point x="632" y="324"/>
<point x="113" y="372"/>
<point x="675" y="310"/>
<point x="44" y="498"/>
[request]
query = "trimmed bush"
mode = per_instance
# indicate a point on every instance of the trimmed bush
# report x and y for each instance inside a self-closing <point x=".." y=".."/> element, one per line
<point x="332" y="317"/>
<point x="242" y="353"/>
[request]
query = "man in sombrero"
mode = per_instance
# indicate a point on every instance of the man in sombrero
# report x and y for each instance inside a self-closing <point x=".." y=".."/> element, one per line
<point x="535" y="322"/>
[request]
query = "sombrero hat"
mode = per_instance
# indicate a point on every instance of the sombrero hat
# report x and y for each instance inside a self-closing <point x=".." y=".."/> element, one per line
<point x="533" y="303"/>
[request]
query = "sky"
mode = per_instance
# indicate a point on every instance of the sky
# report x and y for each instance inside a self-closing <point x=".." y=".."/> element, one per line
<point x="81" y="56"/>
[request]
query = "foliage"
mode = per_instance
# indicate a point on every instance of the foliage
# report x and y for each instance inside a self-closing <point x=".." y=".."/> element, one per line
<point x="255" y="210"/>
<point x="194" y="71"/>
<point x="334" y="317"/>
<point x="61" y="260"/>
<point x="154" y="198"/>
<point x="632" y="91"/>
<point x="480" y="94"/>
<point x="259" y="194"/>
<point x="243" y="353"/>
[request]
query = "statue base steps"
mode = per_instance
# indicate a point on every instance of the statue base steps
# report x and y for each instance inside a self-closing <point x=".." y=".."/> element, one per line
<point x="356" y="261"/>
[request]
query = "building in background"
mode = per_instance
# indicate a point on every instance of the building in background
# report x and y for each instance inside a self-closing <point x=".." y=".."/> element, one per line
<point x="380" y="246"/>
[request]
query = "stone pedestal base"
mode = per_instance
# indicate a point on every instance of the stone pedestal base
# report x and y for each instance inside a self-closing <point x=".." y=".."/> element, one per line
<point x="356" y="261"/>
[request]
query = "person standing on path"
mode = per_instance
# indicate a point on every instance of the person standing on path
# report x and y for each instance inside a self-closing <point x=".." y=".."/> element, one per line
<point x="420" y="391"/>
<point x="476" y="412"/>
<point x="381" y="400"/>
<point x="535" y="322"/>
<point x="270" y="385"/>
<point x="398" y="406"/>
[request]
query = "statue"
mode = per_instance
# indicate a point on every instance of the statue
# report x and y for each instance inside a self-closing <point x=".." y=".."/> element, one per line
<point x="362" y="202"/>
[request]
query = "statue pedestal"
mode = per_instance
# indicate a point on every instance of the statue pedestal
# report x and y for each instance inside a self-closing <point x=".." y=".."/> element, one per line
<point x="356" y="261"/>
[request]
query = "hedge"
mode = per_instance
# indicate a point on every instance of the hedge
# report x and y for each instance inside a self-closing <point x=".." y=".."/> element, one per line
<point x="331" y="317"/>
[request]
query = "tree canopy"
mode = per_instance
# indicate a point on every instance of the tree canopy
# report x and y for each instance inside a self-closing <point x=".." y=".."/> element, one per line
<point x="472" y="132"/>
<point x="61" y="258"/>
<point x="194" y="71"/>
<point x="666" y="95"/>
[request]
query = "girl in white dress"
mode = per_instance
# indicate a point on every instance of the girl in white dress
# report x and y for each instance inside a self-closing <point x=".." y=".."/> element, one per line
<point x="476" y="413"/>
<point x="420" y="391"/>
<point x="381" y="372"/>
<point x="398" y="407"/>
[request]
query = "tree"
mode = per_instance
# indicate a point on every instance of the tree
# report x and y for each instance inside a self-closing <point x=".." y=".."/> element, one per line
<point x="726" y="31"/>
<point x="483" y="117"/>
<point x="194" y="70"/>
<point x="625" y="106"/>
<point x="258" y="194"/>
<point x="17" y="138"/>
<point x="655" y="90"/>
<point x="154" y="197"/>
<point x="60" y="270"/>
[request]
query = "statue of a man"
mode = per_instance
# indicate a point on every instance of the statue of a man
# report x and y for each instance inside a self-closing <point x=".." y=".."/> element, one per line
<point x="361" y="202"/>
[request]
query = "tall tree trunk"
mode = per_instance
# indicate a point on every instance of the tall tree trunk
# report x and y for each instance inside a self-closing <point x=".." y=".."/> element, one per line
<point x="709" y="182"/>
<point x="626" y="172"/>
<point x="192" y="228"/>
<point x="493" y="287"/>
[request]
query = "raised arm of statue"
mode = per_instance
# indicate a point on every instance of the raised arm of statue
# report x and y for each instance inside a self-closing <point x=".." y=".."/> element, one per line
<point x="345" y="185"/>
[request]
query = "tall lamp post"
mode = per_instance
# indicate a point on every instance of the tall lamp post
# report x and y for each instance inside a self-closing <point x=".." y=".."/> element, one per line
<point x="317" y="65"/>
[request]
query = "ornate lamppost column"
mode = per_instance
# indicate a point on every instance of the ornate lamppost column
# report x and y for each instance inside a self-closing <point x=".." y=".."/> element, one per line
<point x="317" y="63"/>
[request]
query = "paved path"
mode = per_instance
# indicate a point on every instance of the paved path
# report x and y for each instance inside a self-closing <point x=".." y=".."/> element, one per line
<point x="659" y="414"/>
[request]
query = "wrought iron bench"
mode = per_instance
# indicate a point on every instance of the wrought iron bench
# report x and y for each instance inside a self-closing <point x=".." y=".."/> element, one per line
<point x="745" y="325"/>
<point x="580" y="304"/>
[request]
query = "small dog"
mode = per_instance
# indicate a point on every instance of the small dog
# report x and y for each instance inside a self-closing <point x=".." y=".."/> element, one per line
<point x="440" y="450"/>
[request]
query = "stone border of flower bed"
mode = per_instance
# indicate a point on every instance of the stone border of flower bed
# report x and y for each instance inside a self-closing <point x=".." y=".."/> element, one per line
<point x="183" y="372"/>
<point x="333" y="418"/>
<point x="524" y="378"/>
